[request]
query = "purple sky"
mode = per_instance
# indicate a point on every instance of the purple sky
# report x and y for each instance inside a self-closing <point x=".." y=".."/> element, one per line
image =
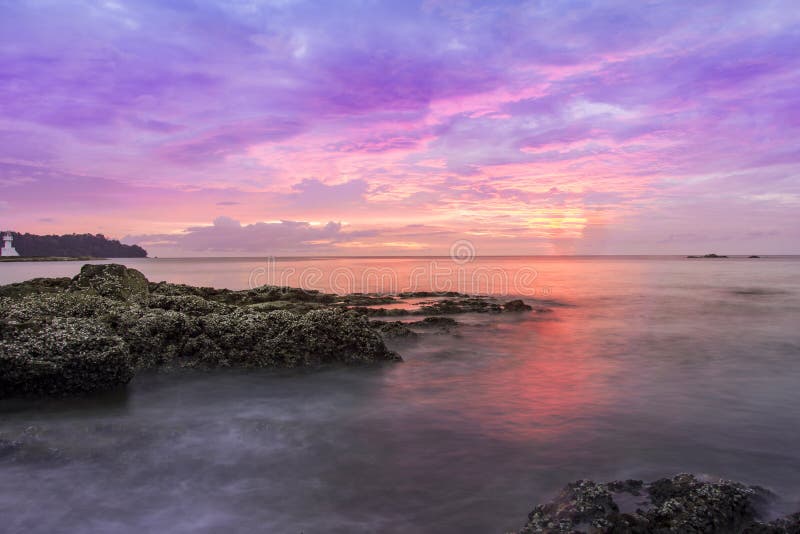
<point x="389" y="127"/>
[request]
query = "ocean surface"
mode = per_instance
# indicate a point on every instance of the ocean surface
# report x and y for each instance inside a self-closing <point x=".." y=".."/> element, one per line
<point x="646" y="367"/>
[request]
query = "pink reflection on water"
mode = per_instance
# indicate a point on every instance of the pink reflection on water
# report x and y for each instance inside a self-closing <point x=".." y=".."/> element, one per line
<point x="521" y="378"/>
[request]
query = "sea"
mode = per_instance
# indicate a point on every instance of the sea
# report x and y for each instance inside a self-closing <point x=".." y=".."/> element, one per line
<point x="632" y="367"/>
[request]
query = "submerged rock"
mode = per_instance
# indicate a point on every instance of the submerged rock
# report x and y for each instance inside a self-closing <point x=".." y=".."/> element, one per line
<point x="516" y="306"/>
<point x="436" y="322"/>
<point x="400" y="329"/>
<point x="679" y="504"/>
<point x="461" y="305"/>
<point x="394" y="329"/>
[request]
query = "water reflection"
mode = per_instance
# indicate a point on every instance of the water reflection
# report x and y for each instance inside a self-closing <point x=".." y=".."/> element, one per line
<point x="653" y="367"/>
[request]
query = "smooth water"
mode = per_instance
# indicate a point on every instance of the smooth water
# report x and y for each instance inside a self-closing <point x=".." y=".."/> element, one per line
<point x="645" y="367"/>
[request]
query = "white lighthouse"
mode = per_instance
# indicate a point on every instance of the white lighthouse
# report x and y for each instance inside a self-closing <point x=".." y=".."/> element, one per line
<point x="8" y="248"/>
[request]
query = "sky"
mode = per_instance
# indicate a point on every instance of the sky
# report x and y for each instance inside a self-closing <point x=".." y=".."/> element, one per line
<point x="364" y="127"/>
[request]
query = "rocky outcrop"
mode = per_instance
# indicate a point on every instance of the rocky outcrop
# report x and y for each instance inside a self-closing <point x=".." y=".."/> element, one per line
<point x="62" y="356"/>
<point x="447" y="306"/>
<point x="92" y="332"/>
<point x="679" y="504"/>
<point x="394" y="329"/>
<point x="111" y="281"/>
<point x="516" y="306"/>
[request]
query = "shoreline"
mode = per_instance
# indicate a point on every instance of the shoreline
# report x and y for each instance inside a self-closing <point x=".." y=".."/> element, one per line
<point x="17" y="259"/>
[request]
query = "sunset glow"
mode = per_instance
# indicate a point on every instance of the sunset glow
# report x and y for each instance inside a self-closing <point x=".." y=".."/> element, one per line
<point x="294" y="127"/>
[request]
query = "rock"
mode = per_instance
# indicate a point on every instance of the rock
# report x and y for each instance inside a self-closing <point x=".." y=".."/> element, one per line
<point x="380" y="312"/>
<point x="394" y="329"/>
<point x="156" y="337"/>
<point x="707" y="256"/>
<point x="35" y="286"/>
<point x="362" y="299"/>
<point x="754" y="256"/>
<point x="456" y="306"/>
<point x="112" y="281"/>
<point x="38" y="308"/>
<point x="329" y="336"/>
<point x="436" y="322"/>
<point x="92" y="332"/>
<point x="679" y="504"/>
<point x="249" y="339"/>
<point x="61" y="357"/>
<point x="516" y="306"/>
<point x="188" y="304"/>
<point x="431" y="294"/>
<point x="257" y="295"/>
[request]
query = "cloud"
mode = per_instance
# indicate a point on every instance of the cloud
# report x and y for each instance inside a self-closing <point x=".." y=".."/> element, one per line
<point x="517" y="116"/>
<point x="227" y="235"/>
<point x="385" y="142"/>
<point x="232" y="138"/>
<point x="312" y="192"/>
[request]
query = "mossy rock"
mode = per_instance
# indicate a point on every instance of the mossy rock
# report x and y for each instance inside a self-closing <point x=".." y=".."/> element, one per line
<point x="682" y="503"/>
<point x="332" y="336"/>
<point x="66" y="356"/>
<point x="281" y="338"/>
<point x="37" y="308"/>
<point x="112" y="281"/>
<point x="89" y="333"/>
<point x="155" y="337"/>
<point x="189" y="304"/>
<point x="35" y="286"/>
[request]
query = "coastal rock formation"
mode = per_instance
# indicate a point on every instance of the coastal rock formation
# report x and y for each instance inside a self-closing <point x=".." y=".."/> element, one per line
<point x="112" y="281"/>
<point x="445" y="306"/>
<point x="62" y="356"/>
<point x="394" y="329"/>
<point x="679" y="504"/>
<point x="399" y="329"/>
<point x="91" y="333"/>
<point x="516" y="306"/>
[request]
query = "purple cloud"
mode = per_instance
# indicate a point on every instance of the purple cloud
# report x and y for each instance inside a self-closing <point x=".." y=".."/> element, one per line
<point x="227" y="235"/>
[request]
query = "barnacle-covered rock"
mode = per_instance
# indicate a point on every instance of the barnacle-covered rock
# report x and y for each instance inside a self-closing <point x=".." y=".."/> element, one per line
<point x="189" y="304"/>
<point x="679" y="504"/>
<point x="256" y="295"/>
<point x="112" y="281"/>
<point x="35" y="286"/>
<point x="328" y="336"/>
<point x="66" y="304"/>
<point x="281" y="338"/>
<point x="242" y="338"/>
<point x="62" y="356"/>
<point x="154" y="336"/>
<point x="91" y="332"/>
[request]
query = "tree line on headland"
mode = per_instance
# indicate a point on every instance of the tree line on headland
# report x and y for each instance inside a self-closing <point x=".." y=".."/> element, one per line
<point x="74" y="245"/>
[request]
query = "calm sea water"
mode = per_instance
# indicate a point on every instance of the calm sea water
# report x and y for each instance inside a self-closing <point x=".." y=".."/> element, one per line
<point x="646" y="367"/>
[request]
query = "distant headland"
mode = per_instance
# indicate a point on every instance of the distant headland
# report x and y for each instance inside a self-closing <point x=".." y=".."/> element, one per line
<point x="31" y="247"/>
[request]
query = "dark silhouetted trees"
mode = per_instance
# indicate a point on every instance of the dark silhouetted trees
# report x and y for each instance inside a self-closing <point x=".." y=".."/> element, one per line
<point x="74" y="245"/>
